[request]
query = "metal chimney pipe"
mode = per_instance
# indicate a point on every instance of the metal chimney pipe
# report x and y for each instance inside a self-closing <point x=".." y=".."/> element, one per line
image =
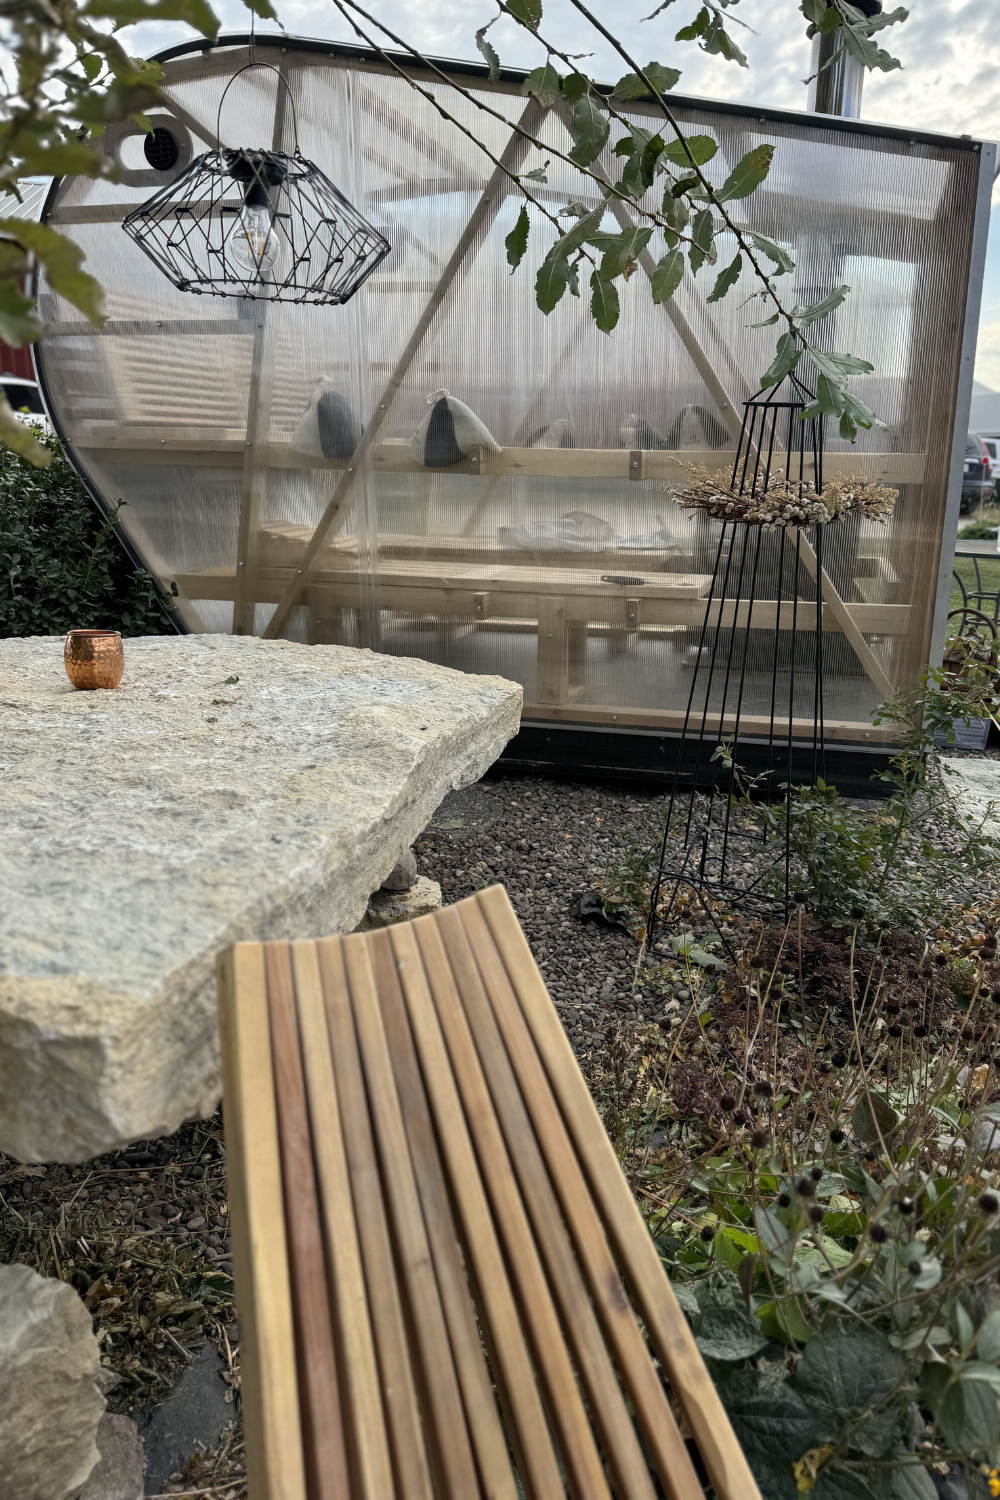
<point x="837" y="89"/>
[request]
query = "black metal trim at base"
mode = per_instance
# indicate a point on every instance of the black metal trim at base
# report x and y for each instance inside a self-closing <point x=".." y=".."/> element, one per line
<point x="590" y="752"/>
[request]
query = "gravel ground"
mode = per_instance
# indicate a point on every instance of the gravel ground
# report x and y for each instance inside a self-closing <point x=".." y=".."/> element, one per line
<point x="546" y="840"/>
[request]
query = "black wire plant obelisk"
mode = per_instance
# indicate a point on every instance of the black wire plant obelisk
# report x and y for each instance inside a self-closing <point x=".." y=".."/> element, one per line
<point x="761" y="571"/>
<point x="259" y="224"/>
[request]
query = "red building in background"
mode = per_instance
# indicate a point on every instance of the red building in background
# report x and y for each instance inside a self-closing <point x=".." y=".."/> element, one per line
<point x="16" y="362"/>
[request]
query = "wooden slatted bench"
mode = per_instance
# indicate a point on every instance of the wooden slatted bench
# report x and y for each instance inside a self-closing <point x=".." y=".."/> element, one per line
<point x="430" y="1234"/>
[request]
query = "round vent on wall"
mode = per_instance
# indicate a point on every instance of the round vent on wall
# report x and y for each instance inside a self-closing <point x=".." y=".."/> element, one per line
<point x="160" y="149"/>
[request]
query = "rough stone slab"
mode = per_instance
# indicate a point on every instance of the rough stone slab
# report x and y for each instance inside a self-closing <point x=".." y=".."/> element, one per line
<point x="193" y="1419"/>
<point x="142" y="830"/>
<point x="119" y="1475"/>
<point x="50" y="1405"/>
<point x="976" y="784"/>
<point x="388" y="907"/>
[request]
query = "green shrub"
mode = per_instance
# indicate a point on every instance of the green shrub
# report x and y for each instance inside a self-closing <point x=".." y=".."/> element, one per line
<point x="61" y="565"/>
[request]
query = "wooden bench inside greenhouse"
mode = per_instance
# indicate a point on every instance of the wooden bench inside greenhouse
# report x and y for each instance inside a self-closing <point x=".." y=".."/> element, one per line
<point x="445" y="1285"/>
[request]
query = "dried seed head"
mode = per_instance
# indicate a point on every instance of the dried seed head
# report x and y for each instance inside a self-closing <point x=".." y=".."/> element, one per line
<point x="857" y="913"/>
<point x="968" y="1033"/>
<point x="801" y="897"/>
<point x="920" y="1031"/>
<point x="914" y="1267"/>
<point x="895" y="1031"/>
<point x="988" y="1203"/>
<point x="839" y="1059"/>
<point x="816" y="1213"/>
<point x="940" y="959"/>
<point x="706" y="1233"/>
<point x="878" y="1233"/>
<point x="784" y="1200"/>
<point x="836" y="1136"/>
<point x="816" y="1173"/>
<point x="805" y="1187"/>
<point x="763" y="1089"/>
<point x="995" y="997"/>
<point x="906" y="1205"/>
<point x="759" y="1138"/>
<point x="727" y="1103"/>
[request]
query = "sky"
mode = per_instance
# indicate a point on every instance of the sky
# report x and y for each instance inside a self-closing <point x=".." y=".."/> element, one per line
<point x="949" y="82"/>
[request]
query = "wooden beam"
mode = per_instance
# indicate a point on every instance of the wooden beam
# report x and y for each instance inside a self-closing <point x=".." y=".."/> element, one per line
<point x="751" y="725"/>
<point x="453" y="275"/>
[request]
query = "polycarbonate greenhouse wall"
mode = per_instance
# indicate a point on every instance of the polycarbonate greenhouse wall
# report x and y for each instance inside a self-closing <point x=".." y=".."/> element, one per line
<point x="561" y="560"/>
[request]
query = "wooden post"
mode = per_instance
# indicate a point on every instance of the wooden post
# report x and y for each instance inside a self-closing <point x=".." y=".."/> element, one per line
<point x="454" y="273"/>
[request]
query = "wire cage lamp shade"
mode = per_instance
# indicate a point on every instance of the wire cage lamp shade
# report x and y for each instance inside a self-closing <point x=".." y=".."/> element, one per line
<point x="260" y="224"/>
<point x="767" y="581"/>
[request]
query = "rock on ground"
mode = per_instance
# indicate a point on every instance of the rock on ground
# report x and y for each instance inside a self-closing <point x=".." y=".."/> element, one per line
<point x="976" y="781"/>
<point x="386" y="908"/>
<point x="50" y="1405"/>
<point x="119" y="1475"/>
<point x="192" y="1420"/>
<point x="403" y="873"/>
<point x="230" y="789"/>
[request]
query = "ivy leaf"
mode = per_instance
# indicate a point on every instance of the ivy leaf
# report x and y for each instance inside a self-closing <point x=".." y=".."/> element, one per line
<point x="848" y="1369"/>
<point x="604" y="302"/>
<point x="774" y="252"/>
<point x="840" y="1484"/>
<point x="839" y="366"/>
<point x="829" y="21"/>
<point x="887" y="18"/>
<point x="538" y="174"/>
<point x="727" y="1333"/>
<point x="632" y="86"/>
<point x="517" y="241"/>
<point x="591" y="128"/>
<point x="544" y="83"/>
<point x="911" y="1481"/>
<point x="619" y="249"/>
<point x="701" y="148"/>
<point x="786" y="358"/>
<point x="18" y="435"/>
<point x="748" y="173"/>
<point x="869" y="52"/>
<point x="675" y="211"/>
<point x="668" y="276"/>
<point x="489" y="52"/>
<point x="718" y="41"/>
<point x="575" y="86"/>
<point x="697" y="27"/>
<point x="528" y="12"/>
<point x="813" y="10"/>
<point x="61" y="259"/>
<point x="873" y="1115"/>
<point x="818" y="310"/>
<point x="702" y="240"/>
<point x="19" y="322"/>
<point x="773" y="1422"/>
<point x="988" y="1339"/>
<point x="586" y="225"/>
<point x="968" y="1417"/>
<point x="195" y="12"/>
<point x="726" y="279"/>
<point x="550" y="283"/>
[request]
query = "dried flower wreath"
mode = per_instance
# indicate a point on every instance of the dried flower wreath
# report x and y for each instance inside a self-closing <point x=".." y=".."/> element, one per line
<point x="784" y="502"/>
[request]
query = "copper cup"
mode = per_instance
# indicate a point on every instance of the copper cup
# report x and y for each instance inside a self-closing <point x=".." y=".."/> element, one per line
<point x="94" y="658"/>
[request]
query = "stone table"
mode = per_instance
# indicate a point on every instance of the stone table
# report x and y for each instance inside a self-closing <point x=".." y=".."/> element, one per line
<point x="229" y="789"/>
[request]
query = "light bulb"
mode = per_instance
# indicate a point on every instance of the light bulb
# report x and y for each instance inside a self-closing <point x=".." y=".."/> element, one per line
<point x="253" y="242"/>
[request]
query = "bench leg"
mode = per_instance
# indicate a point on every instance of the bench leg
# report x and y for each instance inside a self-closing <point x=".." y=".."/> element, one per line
<point x="562" y="653"/>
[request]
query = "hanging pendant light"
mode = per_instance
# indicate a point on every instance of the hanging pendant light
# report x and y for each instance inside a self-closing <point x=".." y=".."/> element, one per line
<point x="259" y="224"/>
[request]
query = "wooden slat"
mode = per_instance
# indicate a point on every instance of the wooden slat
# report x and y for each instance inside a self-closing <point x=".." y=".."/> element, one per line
<point x="134" y="446"/>
<point x="273" y="1433"/>
<point x="583" y="1332"/>
<point x="406" y="1438"/>
<point x="564" y="1405"/>
<point x="367" y="1440"/>
<point x="667" y="1327"/>
<point x="446" y="1429"/>
<point x="322" y="1429"/>
<point x="480" y="1404"/>
<point x="589" y="1241"/>
<point x="512" y="1370"/>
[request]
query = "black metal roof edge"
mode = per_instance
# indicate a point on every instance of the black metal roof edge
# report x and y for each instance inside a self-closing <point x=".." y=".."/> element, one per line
<point x="763" y="113"/>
